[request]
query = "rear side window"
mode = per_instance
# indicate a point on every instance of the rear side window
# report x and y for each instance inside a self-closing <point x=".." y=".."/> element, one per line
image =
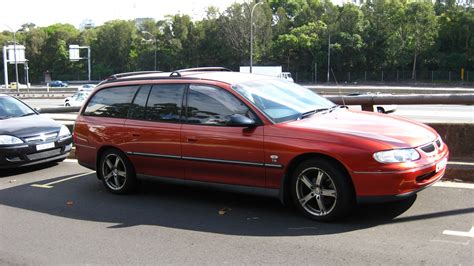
<point x="111" y="102"/>
<point x="139" y="104"/>
<point x="164" y="103"/>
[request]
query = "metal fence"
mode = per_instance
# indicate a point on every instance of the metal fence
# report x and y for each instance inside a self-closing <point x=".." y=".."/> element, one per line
<point x="386" y="76"/>
<point x="353" y="77"/>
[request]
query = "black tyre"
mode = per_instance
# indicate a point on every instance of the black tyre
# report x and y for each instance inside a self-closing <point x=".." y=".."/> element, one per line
<point x="321" y="190"/>
<point x="381" y="110"/>
<point x="117" y="172"/>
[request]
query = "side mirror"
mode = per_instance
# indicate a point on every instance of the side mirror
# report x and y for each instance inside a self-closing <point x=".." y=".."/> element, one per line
<point x="237" y="120"/>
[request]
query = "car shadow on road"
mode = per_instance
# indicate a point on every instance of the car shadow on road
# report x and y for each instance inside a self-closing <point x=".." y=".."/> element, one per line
<point x="27" y="169"/>
<point x="193" y="208"/>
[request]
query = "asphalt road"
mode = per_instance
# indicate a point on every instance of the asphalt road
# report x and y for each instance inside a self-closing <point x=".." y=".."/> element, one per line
<point x="76" y="221"/>
<point x="422" y="113"/>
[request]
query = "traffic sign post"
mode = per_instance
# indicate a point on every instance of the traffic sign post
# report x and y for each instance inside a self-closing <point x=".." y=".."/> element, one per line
<point x="74" y="55"/>
<point x="13" y="54"/>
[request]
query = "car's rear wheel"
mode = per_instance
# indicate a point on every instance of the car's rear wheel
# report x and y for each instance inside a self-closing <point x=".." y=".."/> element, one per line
<point x="321" y="190"/>
<point x="117" y="172"/>
<point x="381" y="110"/>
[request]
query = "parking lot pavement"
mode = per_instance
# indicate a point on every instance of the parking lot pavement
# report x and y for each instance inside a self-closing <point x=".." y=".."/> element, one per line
<point x="61" y="213"/>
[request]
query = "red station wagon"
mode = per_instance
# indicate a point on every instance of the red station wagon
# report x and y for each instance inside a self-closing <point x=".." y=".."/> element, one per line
<point x="217" y="126"/>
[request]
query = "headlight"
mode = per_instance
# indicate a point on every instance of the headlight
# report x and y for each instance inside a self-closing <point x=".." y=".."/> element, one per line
<point x="64" y="132"/>
<point x="397" y="156"/>
<point x="6" y="140"/>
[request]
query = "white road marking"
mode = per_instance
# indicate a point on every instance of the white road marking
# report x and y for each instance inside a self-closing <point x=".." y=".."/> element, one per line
<point x="452" y="242"/>
<point x="302" y="228"/>
<point x="70" y="161"/>
<point x="461" y="163"/>
<point x="459" y="233"/>
<point x="454" y="185"/>
<point x="49" y="185"/>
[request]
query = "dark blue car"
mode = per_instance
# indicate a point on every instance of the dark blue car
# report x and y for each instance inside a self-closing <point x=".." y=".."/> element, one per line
<point x="58" y="83"/>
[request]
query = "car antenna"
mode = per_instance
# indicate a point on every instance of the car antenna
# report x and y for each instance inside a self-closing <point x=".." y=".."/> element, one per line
<point x="339" y="89"/>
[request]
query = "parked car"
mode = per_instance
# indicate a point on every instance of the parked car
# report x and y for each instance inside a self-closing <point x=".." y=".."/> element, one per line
<point x="27" y="138"/>
<point x="58" y="83"/>
<point x="253" y="131"/>
<point x="21" y="86"/>
<point x="77" y="99"/>
<point x="86" y="87"/>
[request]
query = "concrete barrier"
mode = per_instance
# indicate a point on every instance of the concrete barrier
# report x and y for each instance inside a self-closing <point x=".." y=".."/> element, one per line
<point x="459" y="138"/>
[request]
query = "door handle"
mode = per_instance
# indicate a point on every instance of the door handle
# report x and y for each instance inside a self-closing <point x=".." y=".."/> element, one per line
<point x="192" y="139"/>
<point x="135" y="135"/>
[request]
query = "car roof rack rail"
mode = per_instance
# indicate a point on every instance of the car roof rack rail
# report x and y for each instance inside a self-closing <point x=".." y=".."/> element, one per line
<point x="203" y="69"/>
<point x="175" y="74"/>
<point x="129" y="74"/>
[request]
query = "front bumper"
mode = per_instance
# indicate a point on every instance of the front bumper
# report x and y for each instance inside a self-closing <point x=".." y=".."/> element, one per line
<point x="395" y="185"/>
<point x="26" y="154"/>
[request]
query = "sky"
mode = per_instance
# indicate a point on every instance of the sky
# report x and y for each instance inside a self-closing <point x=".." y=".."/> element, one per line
<point x="47" y="12"/>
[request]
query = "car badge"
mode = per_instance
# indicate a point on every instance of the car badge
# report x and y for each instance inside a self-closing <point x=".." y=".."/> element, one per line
<point x="274" y="158"/>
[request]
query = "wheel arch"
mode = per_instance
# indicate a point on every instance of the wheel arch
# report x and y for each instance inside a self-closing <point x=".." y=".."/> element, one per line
<point x="101" y="151"/>
<point x="284" y="193"/>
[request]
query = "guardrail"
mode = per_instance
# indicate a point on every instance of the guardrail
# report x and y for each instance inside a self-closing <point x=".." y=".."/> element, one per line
<point x="368" y="101"/>
<point x="59" y="110"/>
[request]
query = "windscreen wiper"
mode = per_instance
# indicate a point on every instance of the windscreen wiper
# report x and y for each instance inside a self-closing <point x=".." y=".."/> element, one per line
<point x="27" y="114"/>
<point x="334" y="107"/>
<point x="312" y="112"/>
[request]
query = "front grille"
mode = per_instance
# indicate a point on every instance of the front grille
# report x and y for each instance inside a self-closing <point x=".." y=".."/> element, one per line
<point x="43" y="154"/>
<point x="41" y="138"/>
<point x="428" y="148"/>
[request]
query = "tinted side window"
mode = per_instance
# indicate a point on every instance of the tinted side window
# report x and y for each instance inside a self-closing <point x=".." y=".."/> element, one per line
<point x="164" y="103"/>
<point x="137" y="111"/>
<point x="212" y="106"/>
<point x="111" y="102"/>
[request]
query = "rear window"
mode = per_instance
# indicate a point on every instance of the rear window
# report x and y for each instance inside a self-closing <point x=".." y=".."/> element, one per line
<point x="111" y="102"/>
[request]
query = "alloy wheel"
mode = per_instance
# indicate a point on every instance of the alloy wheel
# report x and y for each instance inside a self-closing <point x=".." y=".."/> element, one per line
<point x="114" y="171"/>
<point x="316" y="192"/>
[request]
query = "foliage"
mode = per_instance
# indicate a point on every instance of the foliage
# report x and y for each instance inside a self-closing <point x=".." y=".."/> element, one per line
<point x="378" y="35"/>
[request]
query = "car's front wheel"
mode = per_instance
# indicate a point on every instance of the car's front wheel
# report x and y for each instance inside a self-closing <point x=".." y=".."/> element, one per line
<point x="321" y="190"/>
<point x="117" y="172"/>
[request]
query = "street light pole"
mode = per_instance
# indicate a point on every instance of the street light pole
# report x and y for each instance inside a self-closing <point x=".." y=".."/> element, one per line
<point x="89" y="62"/>
<point x="155" y="40"/>
<point x="16" y="64"/>
<point x="15" y="59"/>
<point x="251" y="34"/>
<point x="329" y="57"/>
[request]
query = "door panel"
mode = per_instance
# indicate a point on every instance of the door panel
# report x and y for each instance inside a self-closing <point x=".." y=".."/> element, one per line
<point x="215" y="152"/>
<point x="154" y="148"/>
<point x="153" y="140"/>
<point x="229" y="155"/>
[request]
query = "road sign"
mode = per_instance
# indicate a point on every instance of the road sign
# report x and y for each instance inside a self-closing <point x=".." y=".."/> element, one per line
<point x="74" y="52"/>
<point x="19" y="51"/>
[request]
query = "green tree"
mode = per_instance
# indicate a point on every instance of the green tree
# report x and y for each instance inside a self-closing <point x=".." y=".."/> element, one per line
<point x="422" y="29"/>
<point x="115" y="49"/>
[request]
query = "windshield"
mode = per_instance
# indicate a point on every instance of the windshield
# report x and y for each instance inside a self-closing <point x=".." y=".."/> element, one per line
<point x="11" y="107"/>
<point x="281" y="100"/>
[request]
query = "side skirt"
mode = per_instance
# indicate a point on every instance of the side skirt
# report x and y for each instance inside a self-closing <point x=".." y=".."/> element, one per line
<point x="268" y="192"/>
